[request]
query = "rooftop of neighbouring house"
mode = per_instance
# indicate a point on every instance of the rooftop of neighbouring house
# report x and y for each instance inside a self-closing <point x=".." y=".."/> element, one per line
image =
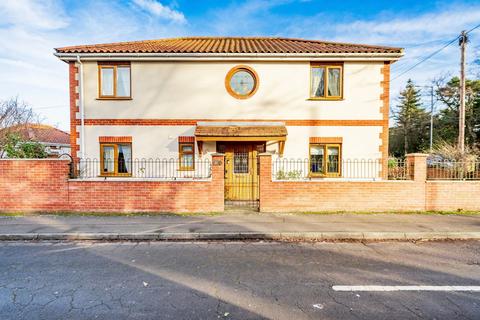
<point x="41" y="133"/>
<point x="231" y="45"/>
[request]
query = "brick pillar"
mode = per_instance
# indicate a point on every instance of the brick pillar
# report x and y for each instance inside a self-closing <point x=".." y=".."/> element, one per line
<point x="417" y="166"/>
<point x="218" y="179"/>
<point x="265" y="178"/>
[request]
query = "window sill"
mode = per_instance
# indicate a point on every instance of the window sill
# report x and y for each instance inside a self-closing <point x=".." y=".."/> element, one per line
<point x="115" y="175"/>
<point x="193" y="169"/>
<point x="325" y="99"/>
<point x="114" y="98"/>
<point x="324" y="175"/>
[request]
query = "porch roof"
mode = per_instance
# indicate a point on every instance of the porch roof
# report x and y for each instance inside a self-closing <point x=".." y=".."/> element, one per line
<point x="255" y="131"/>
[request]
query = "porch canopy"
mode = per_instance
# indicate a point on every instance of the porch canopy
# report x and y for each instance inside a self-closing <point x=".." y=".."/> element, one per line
<point x="242" y="131"/>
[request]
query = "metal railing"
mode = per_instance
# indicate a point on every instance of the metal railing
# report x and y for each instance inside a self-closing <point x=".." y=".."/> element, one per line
<point x="399" y="169"/>
<point x="168" y="169"/>
<point x="453" y="170"/>
<point x="305" y="169"/>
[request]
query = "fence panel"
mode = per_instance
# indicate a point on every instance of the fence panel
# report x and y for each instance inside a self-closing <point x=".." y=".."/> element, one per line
<point x="453" y="170"/>
<point x="168" y="169"/>
<point x="306" y="169"/>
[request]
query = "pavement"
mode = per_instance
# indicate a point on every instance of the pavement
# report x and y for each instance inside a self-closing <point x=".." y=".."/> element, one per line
<point x="253" y="226"/>
<point x="237" y="280"/>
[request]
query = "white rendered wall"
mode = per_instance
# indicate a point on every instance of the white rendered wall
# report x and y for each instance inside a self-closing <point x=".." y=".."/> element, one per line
<point x="162" y="141"/>
<point x="196" y="90"/>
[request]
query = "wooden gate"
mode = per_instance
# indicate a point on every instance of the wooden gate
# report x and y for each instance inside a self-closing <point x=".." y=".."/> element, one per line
<point x="241" y="172"/>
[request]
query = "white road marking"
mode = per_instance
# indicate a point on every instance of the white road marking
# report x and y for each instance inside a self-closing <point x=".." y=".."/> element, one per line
<point x="407" y="288"/>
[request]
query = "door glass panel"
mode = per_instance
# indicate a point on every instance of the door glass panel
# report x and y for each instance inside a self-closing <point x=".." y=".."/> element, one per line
<point x="108" y="159"/>
<point x="333" y="159"/>
<point x="316" y="159"/>
<point x="240" y="162"/>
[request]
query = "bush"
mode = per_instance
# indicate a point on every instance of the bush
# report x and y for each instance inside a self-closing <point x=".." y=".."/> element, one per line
<point x="290" y="175"/>
<point x="15" y="147"/>
<point x="449" y="151"/>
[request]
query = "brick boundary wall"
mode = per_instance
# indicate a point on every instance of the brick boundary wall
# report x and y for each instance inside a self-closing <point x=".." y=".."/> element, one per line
<point x="416" y="194"/>
<point x="43" y="185"/>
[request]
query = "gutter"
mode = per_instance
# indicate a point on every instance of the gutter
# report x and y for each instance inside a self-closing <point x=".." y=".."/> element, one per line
<point x="231" y="56"/>
<point x="82" y="109"/>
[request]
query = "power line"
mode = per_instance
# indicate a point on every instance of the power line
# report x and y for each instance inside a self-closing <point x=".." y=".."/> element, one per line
<point x="477" y="26"/>
<point x="426" y="58"/>
<point x="434" y="53"/>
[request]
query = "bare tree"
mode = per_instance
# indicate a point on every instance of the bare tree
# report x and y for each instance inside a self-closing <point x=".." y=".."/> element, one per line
<point x="14" y="114"/>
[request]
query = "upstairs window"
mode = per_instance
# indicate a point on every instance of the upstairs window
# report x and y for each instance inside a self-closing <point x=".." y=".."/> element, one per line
<point x="241" y="82"/>
<point x="114" y="81"/>
<point x="326" y="82"/>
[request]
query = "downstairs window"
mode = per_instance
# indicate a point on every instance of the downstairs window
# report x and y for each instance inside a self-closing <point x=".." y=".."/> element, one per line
<point x="116" y="159"/>
<point x="186" y="155"/>
<point x="325" y="159"/>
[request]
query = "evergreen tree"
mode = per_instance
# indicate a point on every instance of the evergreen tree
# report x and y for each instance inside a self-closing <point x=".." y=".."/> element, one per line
<point x="411" y="130"/>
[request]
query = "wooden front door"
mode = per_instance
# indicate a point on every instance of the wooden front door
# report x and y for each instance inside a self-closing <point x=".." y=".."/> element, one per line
<point x="241" y="170"/>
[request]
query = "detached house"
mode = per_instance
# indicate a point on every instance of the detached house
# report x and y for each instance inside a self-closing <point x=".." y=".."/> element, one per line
<point x="187" y="98"/>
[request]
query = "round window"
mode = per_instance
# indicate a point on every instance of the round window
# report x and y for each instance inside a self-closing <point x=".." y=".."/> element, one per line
<point x="241" y="82"/>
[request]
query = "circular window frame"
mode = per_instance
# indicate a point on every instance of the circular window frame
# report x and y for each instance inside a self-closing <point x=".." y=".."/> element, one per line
<point x="235" y="70"/>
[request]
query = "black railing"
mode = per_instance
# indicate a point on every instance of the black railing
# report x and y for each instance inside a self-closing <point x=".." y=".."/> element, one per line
<point x="306" y="169"/>
<point x="168" y="169"/>
<point x="453" y="170"/>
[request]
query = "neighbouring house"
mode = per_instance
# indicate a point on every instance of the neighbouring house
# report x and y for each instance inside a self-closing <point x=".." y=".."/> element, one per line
<point x="187" y="98"/>
<point x="56" y="141"/>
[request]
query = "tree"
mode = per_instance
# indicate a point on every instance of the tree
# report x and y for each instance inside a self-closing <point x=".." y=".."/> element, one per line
<point x="13" y="115"/>
<point x="410" y="133"/>
<point x="15" y="147"/>
<point x="449" y="94"/>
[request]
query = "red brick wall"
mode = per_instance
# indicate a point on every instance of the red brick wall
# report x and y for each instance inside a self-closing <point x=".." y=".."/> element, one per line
<point x="43" y="185"/>
<point x="375" y="196"/>
<point x="33" y="185"/>
<point x="453" y="195"/>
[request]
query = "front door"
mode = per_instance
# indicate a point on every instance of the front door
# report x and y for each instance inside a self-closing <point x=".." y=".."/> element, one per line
<point x="241" y="171"/>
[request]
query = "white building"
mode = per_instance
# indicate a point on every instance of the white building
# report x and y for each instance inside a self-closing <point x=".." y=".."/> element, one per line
<point x="186" y="98"/>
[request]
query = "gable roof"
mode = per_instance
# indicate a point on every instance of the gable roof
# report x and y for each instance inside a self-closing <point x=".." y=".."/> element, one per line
<point x="41" y="133"/>
<point x="230" y="45"/>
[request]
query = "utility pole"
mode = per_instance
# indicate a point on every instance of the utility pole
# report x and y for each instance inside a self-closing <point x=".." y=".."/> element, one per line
<point x="431" y="118"/>
<point x="461" y="112"/>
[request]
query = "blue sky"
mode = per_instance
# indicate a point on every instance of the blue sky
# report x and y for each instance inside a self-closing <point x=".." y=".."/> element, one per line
<point x="30" y="29"/>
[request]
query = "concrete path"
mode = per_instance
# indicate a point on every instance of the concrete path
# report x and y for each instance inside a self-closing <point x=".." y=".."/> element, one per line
<point x="242" y="226"/>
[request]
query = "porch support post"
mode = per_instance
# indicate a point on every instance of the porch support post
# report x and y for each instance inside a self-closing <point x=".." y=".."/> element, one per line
<point x="281" y="147"/>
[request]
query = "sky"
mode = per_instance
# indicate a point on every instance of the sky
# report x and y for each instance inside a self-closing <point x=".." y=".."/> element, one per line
<point x="30" y="29"/>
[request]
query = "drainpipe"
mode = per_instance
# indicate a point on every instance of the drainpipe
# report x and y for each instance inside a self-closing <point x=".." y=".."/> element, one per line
<point x="82" y="109"/>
